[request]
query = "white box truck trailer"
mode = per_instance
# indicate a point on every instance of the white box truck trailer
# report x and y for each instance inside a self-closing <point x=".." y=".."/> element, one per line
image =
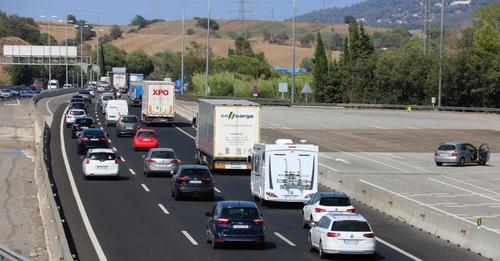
<point x="158" y="98"/>
<point x="226" y="133"/>
<point x="284" y="171"/>
<point x="120" y="82"/>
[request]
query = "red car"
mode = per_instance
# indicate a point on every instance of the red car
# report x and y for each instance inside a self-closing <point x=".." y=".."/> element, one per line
<point x="145" y="139"/>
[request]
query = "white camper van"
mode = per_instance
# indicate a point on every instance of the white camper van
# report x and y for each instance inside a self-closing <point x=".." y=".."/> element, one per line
<point x="284" y="171"/>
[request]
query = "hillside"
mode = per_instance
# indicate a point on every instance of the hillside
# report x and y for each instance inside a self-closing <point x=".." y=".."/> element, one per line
<point x="162" y="36"/>
<point x="397" y="13"/>
<point x="4" y="76"/>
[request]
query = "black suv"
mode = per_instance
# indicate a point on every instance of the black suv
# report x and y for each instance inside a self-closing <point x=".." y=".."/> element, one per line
<point x="194" y="180"/>
<point x="92" y="138"/>
<point x="80" y="124"/>
<point x="78" y="105"/>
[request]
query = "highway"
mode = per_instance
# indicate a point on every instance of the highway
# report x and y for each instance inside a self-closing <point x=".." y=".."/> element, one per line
<point x="136" y="219"/>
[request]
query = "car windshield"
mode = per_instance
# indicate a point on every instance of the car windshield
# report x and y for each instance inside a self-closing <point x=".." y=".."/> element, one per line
<point x="84" y="92"/>
<point x="146" y="134"/>
<point x="239" y="212"/>
<point x="107" y="97"/>
<point x="77" y="112"/>
<point x="129" y="119"/>
<point x="447" y="147"/>
<point x="335" y="201"/>
<point x="97" y="133"/>
<point x="194" y="172"/>
<point x="84" y="121"/>
<point x="163" y="155"/>
<point x="102" y="156"/>
<point x="351" y="226"/>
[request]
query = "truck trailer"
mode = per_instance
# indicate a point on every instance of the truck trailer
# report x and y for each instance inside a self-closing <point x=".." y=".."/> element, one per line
<point x="158" y="98"/>
<point x="226" y="133"/>
<point x="135" y="93"/>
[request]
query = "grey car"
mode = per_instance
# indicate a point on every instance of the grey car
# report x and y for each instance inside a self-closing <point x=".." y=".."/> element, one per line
<point x="160" y="161"/>
<point x="127" y="124"/>
<point x="461" y="153"/>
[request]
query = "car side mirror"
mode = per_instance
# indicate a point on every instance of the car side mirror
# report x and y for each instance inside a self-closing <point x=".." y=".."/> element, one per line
<point x="208" y="214"/>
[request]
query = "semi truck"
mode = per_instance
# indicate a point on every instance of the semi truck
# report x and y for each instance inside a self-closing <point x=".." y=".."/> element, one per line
<point x="158" y="98"/>
<point x="135" y="93"/>
<point x="119" y="82"/>
<point x="226" y="132"/>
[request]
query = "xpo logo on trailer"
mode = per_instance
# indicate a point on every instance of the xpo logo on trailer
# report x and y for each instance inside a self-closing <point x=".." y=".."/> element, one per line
<point x="160" y="92"/>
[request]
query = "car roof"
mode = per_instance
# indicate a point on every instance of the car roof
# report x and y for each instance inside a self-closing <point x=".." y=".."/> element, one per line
<point x="101" y="150"/>
<point x="77" y="110"/>
<point x="93" y="129"/>
<point x="340" y="216"/>
<point x="193" y="166"/>
<point x="146" y="130"/>
<point x="161" y="149"/>
<point x="232" y="203"/>
<point x="332" y="194"/>
<point x="454" y="143"/>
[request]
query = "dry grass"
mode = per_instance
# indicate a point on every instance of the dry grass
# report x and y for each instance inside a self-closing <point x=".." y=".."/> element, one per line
<point x="4" y="75"/>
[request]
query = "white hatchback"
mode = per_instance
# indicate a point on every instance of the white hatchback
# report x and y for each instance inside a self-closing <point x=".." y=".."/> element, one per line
<point x="72" y="115"/>
<point x="101" y="163"/>
<point x="342" y="234"/>
<point x="323" y="203"/>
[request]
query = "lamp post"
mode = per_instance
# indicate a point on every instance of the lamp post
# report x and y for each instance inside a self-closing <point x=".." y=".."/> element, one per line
<point x="293" y="53"/>
<point x="66" y="43"/>
<point x="182" y="45"/>
<point x="208" y="51"/>
<point x="97" y="53"/>
<point x="441" y="56"/>
<point x="48" y="40"/>
<point x="81" y="51"/>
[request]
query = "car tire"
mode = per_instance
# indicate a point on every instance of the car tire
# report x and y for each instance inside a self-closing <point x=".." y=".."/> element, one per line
<point x="311" y="247"/>
<point x="320" y="250"/>
<point x="177" y="196"/>
<point x="439" y="164"/>
<point x="211" y="197"/>
<point x="461" y="163"/>
<point x="85" y="177"/>
<point x="214" y="244"/>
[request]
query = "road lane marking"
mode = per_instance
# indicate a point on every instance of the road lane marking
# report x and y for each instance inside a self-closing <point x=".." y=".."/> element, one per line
<point x="474" y="186"/>
<point x="181" y="130"/>
<point x="328" y="167"/>
<point x="217" y="190"/>
<point x="398" y="249"/>
<point x="377" y="127"/>
<point x="163" y="209"/>
<point x="284" y="239"/>
<point x="466" y="190"/>
<point x="131" y="171"/>
<point x="145" y="187"/>
<point x="48" y="108"/>
<point x="110" y="140"/>
<point x="79" y="203"/>
<point x="393" y="160"/>
<point x="412" y="127"/>
<point x="186" y="234"/>
<point x="427" y="205"/>
<point x="114" y="149"/>
<point x="343" y="160"/>
<point x="123" y="159"/>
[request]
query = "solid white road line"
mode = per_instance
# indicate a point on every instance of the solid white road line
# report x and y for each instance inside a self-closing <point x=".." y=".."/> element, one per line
<point x="123" y="159"/>
<point x="145" y="187"/>
<point x="472" y="185"/>
<point x="114" y="149"/>
<point x="412" y="127"/>
<point x="377" y="127"/>
<point x="398" y="161"/>
<point x="328" y="167"/>
<point x="398" y="249"/>
<point x="131" y="171"/>
<point x="284" y="239"/>
<point x="217" y="190"/>
<point x="48" y="108"/>
<point x="181" y="130"/>
<point x="466" y="190"/>
<point x="343" y="160"/>
<point x="79" y="203"/>
<point x="163" y="209"/>
<point x="186" y="234"/>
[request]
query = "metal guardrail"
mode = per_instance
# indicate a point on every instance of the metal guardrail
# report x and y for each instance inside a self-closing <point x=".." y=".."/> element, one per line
<point x="53" y="93"/>
<point x="8" y="255"/>
<point x="274" y="102"/>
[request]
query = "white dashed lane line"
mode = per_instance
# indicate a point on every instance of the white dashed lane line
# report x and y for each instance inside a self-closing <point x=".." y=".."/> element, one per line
<point x="145" y="187"/>
<point x="284" y="239"/>
<point x="131" y="171"/>
<point x="163" y="209"/>
<point x="186" y="234"/>
<point x="217" y="190"/>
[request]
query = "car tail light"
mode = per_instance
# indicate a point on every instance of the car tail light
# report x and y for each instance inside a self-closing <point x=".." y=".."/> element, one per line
<point x="270" y="194"/>
<point x="351" y="210"/>
<point x="84" y="138"/>
<point x="369" y="235"/>
<point x="206" y="180"/>
<point x="436" y="153"/>
<point x="259" y="222"/>
<point x="454" y="153"/>
<point x="75" y="125"/>
<point x="69" y="116"/>
<point x="318" y="210"/>
<point x="87" y="161"/>
<point x="183" y="179"/>
<point x="222" y="221"/>
<point x="117" y="161"/>
<point x="151" y="161"/>
<point x="174" y="161"/>
<point x="333" y="234"/>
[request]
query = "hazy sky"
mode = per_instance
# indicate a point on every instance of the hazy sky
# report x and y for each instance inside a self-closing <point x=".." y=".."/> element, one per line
<point x="122" y="11"/>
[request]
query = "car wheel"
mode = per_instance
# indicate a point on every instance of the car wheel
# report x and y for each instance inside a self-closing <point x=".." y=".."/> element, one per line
<point x="309" y="240"/>
<point x="214" y="244"/>
<point x="177" y="195"/>
<point x="211" y="197"/>
<point x="147" y="173"/>
<point x="461" y="163"/>
<point x="85" y="177"/>
<point x="262" y="202"/>
<point x="320" y="250"/>
<point x="439" y="164"/>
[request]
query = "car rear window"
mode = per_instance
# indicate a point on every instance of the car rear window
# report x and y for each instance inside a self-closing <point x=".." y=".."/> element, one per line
<point x="98" y="133"/>
<point x="163" y="155"/>
<point x="447" y="147"/>
<point x="84" y="92"/>
<point x="107" y="98"/>
<point x="351" y="226"/>
<point x="146" y="134"/>
<point x="335" y="201"/>
<point x="194" y="172"/>
<point x="84" y="121"/>
<point x="77" y="112"/>
<point x="239" y="212"/>
<point x="129" y="119"/>
<point x="102" y="156"/>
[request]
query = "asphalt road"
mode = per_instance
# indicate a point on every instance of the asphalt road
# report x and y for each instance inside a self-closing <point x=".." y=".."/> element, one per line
<point x="135" y="218"/>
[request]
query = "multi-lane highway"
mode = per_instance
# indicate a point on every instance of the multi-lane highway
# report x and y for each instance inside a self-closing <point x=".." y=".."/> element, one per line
<point x="135" y="218"/>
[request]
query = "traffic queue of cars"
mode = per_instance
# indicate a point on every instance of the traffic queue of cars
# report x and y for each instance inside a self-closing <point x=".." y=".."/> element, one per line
<point x="7" y="93"/>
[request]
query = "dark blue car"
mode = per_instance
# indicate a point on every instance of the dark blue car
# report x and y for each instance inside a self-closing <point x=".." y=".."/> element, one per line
<point x="235" y="221"/>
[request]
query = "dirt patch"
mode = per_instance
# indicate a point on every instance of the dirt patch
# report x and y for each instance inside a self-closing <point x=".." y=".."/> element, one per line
<point x="352" y="140"/>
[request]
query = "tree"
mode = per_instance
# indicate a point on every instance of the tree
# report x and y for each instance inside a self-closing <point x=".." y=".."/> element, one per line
<point x="320" y="70"/>
<point x="335" y="42"/>
<point x="24" y="28"/>
<point x="71" y="17"/>
<point x="243" y="47"/>
<point x="101" y="60"/>
<point x="84" y="30"/>
<point x="139" y="62"/>
<point x="245" y="65"/>
<point x="22" y="74"/>
<point x="307" y="63"/>
<point x="348" y="19"/>
<point x="203" y="23"/>
<point x="306" y="40"/>
<point x="115" y="32"/>
<point x="190" y="31"/>
<point x="139" y="21"/>
<point x="44" y="39"/>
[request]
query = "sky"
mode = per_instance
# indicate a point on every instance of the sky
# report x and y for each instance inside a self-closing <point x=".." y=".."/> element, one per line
<point x="122" y="11"/>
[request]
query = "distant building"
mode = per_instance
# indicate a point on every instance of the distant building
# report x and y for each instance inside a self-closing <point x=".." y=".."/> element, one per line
<point x="461" y="2"/>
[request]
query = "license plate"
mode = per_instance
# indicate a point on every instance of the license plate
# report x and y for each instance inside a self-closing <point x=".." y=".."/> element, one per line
<point x="163" y="119"/>
<point x="94" y="139"/>
<point x="147" y="139"/>
<point x="350" y="242"/>
<point x="291" y="196"/>
<point x="240" y="226"/>
<point x="84" y="128"/>
<point x="195" y="181"/>
<point x="236" y="166"/>
<point x="162" y="165"/>
<point x="102" y="167"/>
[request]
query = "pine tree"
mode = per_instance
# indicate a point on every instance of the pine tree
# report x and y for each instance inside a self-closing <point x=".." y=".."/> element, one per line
<point x="102" y="63"/>
<point x="320" y="70"/>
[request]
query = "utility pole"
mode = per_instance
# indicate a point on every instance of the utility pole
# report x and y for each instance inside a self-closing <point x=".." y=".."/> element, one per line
<point x="425" y="26"/>
<point x="293" y="53"/>
<point x="182" y="45"/>
<point x="208" y="52"/>
<point x="81" y="52"/>
<point x="441" y="56"/>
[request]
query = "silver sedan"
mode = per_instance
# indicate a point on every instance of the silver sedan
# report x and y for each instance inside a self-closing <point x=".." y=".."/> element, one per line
<point x="159" y="161"/>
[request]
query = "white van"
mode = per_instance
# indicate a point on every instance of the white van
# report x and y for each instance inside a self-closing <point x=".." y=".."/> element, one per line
<point x="284" y="171"/>
<point x="53" y="84"/>
<point x="115" y="109"/>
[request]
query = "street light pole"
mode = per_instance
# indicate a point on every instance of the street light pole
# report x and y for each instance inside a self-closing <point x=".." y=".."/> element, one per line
<point x="182" y="45"/>
<point x="441" y="56"/>
<point x="293" y="53"/>
<point x="81" y="56"/>
<point x="208" y="51"/>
